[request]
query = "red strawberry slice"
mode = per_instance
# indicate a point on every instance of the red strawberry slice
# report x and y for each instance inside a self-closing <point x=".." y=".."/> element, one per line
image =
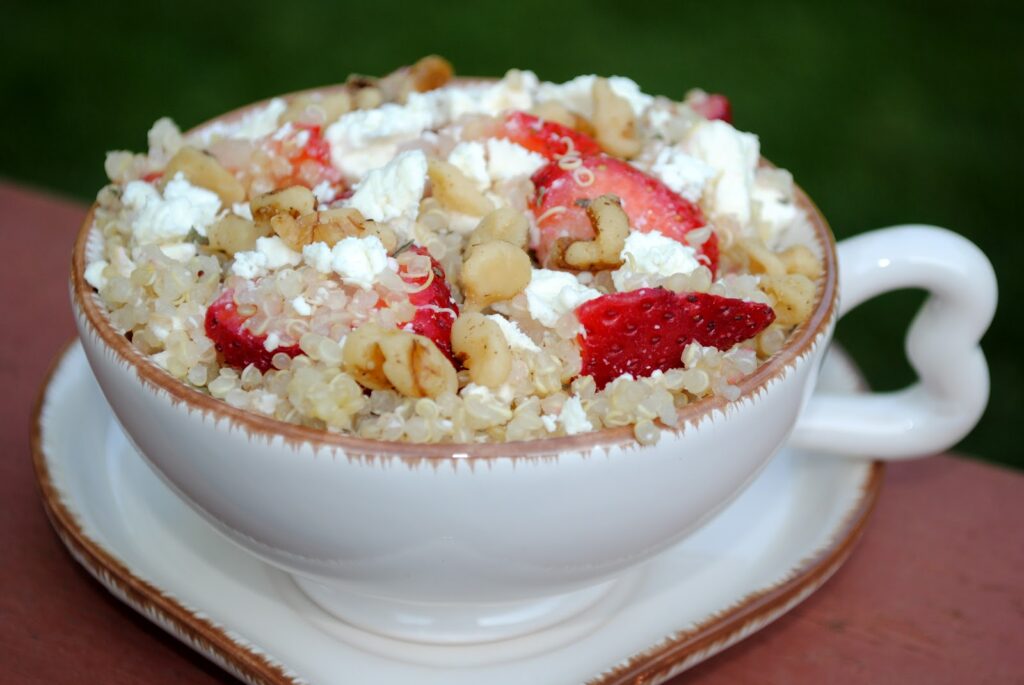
<point x="649" y="203"/>
<point x="640" y="331"/>
<point x="711" y="106"/>
<point x="546" y="137"/>
<point x="236" y="345"/>
<point x="436" y="309"/>
<point x="309" y="155"/>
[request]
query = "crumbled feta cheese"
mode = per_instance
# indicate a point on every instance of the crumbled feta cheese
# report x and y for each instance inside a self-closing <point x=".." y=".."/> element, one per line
<point x="94" y="274"/>
<point x="242" y="209"/>
<point x="394" y="190"/>
<point x="179" y="252"/>
<point x="514" y="91"/>
<point x="772" y="199"/>
<point x="270" y="254"/>
<point x="272" y="342"/>
<point x="182" y="208"/>
<point x="301" y="307"/>
<point x="364" y="140"/>
<point x="256" y="123"/>
<point x="278" y="253"/>
<point x="577" y="94"/>
<point x="682" y="173"/>
<point x="357" y="260"/>
<point x="249" y="265"/>
<point x="572" y="417"/>
<point x="550" y="422"/>
<point x="506" y="160"/>
<point x="734" y="156"/>
<point x="552" y="294"/>
<point x="652" y="254"/>
<point x="319" y="256"/>
<point x="517" y="340"/>
<point x="324" y="192"/>
<point x="470" y="158"/>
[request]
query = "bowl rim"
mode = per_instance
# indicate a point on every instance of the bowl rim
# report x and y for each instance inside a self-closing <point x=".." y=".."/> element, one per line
<point x="804" y="338"/>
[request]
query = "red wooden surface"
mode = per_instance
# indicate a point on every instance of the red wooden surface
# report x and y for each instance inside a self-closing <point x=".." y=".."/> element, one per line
<point x="933" y="594"/>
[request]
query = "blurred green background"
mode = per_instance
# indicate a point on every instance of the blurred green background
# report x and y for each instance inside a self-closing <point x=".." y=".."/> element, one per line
<point x="885" y="112"/>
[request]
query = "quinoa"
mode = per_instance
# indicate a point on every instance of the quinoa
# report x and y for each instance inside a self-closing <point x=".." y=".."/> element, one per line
<point x="158" y="263"/>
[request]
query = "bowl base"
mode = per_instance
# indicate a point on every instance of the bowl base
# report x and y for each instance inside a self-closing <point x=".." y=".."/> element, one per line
<point x="452" y="623"/>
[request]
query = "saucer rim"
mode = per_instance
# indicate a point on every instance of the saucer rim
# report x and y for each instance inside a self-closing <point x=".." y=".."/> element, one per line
<point x="669" y="657"/>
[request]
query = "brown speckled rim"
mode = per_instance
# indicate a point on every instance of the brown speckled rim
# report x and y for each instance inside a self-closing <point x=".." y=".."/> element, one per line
<point x="804" y="338"/>
<point x="670" y="656"/>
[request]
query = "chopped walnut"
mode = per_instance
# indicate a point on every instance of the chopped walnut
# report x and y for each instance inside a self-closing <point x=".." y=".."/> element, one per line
<point x="293" y="201"/>
<point x="611" y="228"/>
<point x="456" y="192"/>
<point x="329" y="226"/>
<point x="494" y="271"/>
<point x="482" y="346"/>
<point x="614" y="122"/>
<point x="202" y="169"/>
<point x="385" y="358"/>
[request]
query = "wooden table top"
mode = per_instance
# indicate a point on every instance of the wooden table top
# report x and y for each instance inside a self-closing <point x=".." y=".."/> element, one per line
<point x="933" y="594"/>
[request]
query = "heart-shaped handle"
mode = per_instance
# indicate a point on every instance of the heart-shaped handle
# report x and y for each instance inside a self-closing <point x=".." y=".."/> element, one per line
<point x="942" y="346"/>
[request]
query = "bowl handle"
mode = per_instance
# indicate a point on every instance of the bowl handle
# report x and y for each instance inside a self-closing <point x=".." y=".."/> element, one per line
<point x="942" y="345"/>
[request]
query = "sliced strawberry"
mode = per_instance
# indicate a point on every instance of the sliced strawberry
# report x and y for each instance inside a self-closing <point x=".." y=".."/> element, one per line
<point x="236" y="345"/>
<point x="711" y="105"/>
<point x="641" y="331"/>
<point x="309" y="155"/>
<point x="436" y="309"/>
<point x="649" y="203"/>
<point x="546" y="137"/>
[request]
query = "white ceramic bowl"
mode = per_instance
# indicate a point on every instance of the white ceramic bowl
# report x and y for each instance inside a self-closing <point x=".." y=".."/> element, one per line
<point x="464" y="543"/>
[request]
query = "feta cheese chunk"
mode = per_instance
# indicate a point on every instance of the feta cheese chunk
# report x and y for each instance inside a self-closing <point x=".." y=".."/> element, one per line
<point x="301" y="306"/>
<point x="324" y="192"/>
<point x="514" y="335"/>
<point x="682" y="173"/>
<point x="471" y="159"/>
<point x="774" y="206"/>
<point x="506" y="160"/>
<point x="734" y="156"/>
<point x="364" y="140"/>
<point x="156" y="218"/>
<point x="573" y="418"/>
<point x="553" y="294"/>
<point x="577" y="94"/>
<point x="393" y="191"/>
<point x="652" y="254"/>
<point x="256" y="123"/>
<point x="270" y="254"/>
<point x="357" y="260"/>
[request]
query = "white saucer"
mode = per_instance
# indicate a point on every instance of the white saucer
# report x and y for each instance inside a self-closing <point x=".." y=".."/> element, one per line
<point x="770" y="549"/>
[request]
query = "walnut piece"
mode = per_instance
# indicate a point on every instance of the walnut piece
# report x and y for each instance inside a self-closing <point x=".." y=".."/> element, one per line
<point x="379" y="358"/>
<point x="202" y="169"/>
<point x="494" y="271"/>
<point x="233" y="234"/>
<point x="614" y="122"/>
<point x="502" y="224"/>
<point x="483" y="349"/>
<point x="456" y="192"/>
<point x="611" y="228"/>
<point x="293" y="201"/>
<point x="329" y="226"/>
